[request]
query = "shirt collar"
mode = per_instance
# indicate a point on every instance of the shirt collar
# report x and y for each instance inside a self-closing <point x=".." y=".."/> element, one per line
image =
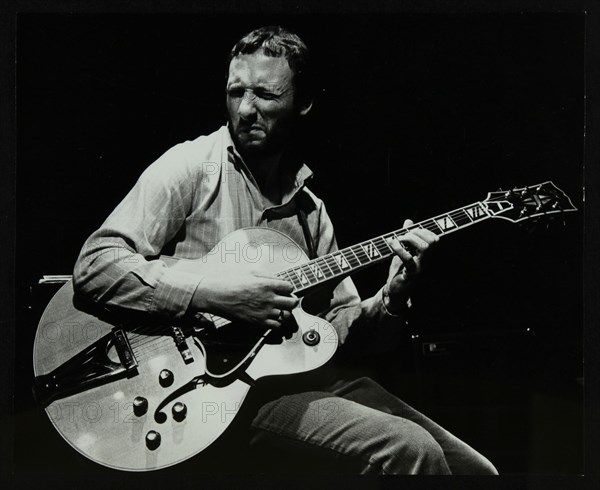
<point x="298" y="173"/>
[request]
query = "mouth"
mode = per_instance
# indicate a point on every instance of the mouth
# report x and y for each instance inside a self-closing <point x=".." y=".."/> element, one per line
<point x="251" y="129"/>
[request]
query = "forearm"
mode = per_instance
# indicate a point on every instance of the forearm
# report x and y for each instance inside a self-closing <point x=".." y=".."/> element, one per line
<point x="111" y="274"/>
<point x="119" y="264"/>
<point x="361" y="321"/>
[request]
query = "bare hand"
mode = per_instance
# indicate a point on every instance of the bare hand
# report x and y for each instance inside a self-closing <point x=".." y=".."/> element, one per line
<point x="262" y="300"/>
<point x="406" y="265"/>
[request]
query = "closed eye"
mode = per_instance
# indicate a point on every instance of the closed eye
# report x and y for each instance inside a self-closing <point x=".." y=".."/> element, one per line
<point x="235" y="92"/>
<point x="265" y="94"/>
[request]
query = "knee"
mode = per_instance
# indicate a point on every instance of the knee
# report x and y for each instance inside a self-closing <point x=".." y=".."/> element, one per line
<point x="413" y="450"/>
<point x="483" y="466"/>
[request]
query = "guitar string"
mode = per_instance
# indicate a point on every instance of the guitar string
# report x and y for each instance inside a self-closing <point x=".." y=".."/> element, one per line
<point x="159" y="344"/>
<point x="144" y="343"/>
<point x="143" y="346"/>
<point x="459" y="216"/>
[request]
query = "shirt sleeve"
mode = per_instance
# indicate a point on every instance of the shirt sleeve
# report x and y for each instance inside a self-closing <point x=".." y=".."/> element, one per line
<point x="352" y="317"/>
<point x="118" y="265"/>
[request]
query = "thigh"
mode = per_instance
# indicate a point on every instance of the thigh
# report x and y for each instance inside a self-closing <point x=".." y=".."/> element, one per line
<point x="461" y="457"/>
<point x="343" y="435"/>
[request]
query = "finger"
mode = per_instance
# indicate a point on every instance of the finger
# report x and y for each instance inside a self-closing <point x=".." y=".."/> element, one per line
<point x="270" y="323"/>
<point x="285" y="302"/>
<point x="279" y="315"/>
<point x="423" y="233"/>
<point x="409" y="262"/>
<point x="426" y="235"/>
<point x="281" y="286"/>
<point x="401" y="251"/>
<point x="415" y="244"/>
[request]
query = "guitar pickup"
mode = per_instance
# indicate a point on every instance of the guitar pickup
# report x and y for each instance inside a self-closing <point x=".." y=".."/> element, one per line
<point x="123" y="348"/>
<point x="182" y="345"/>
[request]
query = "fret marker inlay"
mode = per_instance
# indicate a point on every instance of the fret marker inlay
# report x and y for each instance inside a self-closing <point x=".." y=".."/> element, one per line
<point x="341" y="261"/>
<point x="301" y="276"/>
<point x="445" y="223"/>
<point x="371" y="250"/>
<point x="316" y="270"/>
<point x="475" y="212"/>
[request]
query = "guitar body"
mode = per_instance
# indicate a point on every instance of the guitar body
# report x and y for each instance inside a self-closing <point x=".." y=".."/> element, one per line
<point x="98" y="419"/>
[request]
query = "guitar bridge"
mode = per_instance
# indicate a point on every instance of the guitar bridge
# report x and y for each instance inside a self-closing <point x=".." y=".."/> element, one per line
<point x="182" y="346"/>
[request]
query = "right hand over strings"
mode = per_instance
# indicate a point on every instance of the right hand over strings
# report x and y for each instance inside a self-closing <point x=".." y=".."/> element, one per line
<point x="263" y="300"/>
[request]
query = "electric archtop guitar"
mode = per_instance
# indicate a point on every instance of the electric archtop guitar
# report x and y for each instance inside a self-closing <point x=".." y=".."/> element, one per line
<point x="141" y="396"/>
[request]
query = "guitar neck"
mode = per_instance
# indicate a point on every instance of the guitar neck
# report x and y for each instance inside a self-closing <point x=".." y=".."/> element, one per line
<point x="351" y="259"/>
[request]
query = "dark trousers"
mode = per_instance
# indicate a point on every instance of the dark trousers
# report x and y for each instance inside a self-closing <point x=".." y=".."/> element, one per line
<point x="359" y="427"/>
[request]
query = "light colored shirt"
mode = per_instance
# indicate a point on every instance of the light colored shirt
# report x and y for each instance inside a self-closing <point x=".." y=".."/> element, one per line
<point x="182" y="205"/>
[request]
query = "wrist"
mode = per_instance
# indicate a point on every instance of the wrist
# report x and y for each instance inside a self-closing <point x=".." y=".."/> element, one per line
<point x="201" y="297"/>
<point x="396" y="307"/>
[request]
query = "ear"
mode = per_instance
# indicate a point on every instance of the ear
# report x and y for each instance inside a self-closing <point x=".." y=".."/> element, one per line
<point x="305" y="107"/>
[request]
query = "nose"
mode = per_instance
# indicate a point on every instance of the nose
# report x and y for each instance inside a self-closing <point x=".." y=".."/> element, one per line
<point x="246" y="108"/>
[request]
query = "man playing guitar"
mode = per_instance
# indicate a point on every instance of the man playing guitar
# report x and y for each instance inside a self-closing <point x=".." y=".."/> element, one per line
<point x="248" y="174"/>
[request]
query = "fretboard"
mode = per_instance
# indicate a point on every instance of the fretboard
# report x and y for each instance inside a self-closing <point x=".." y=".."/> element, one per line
<point x="350" y="259"/>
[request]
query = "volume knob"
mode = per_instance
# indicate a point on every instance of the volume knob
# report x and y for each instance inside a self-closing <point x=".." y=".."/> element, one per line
<point x="152" y="440"/>
<point x="165" y="378"/>
<point x="311" y="338"/>
<point x="179" y="411"/>
<point x="140" y="406"/>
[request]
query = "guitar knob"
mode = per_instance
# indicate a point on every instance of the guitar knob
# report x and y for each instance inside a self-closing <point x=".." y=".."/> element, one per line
<point x="140" y="406"/>
<point x="152" y="440"/>
<point x="311" y="338"/>
<point x="179" y="411"/>
<point x="165" y="378"/>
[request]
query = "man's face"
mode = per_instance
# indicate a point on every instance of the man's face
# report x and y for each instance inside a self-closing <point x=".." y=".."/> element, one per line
<point x="260" y="103"/>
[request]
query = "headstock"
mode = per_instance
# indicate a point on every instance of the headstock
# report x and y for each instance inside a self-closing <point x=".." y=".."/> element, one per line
<point x="524" y="203"/>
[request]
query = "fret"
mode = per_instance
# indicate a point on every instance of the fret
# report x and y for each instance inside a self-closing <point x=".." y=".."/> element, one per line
<point x="382" y="247"/>
<point x="326" y="268"/>
<point x="350" y="257"/>
<point x="360" y="254"/>
<point x="283" y="275"/>
<point x="370" y="250"/>
<point x="332" y="264"/>
<point x="432" y="226"/>
<point x="476" y="211"/>
<point x="309" y="273"/>
<point x="355" y="250"/>
<point x="302" y="275"/>
<point x="291" y="278"/>
<point x="317" y="272"/>
<point x="404" y="230"/>
<point x="445" y="222"/>
<point x="461" y="218"/>
<point x="341" y="261"/>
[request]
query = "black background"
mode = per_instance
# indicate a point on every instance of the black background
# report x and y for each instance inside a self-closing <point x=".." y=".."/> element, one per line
<point x="416" y="115"/>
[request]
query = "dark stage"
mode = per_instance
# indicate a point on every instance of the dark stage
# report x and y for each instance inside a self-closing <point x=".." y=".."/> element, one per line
<point x="416" y="115"/>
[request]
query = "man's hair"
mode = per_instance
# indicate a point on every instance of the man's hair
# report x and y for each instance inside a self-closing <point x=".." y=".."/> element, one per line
<point x="277" y="41"/>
